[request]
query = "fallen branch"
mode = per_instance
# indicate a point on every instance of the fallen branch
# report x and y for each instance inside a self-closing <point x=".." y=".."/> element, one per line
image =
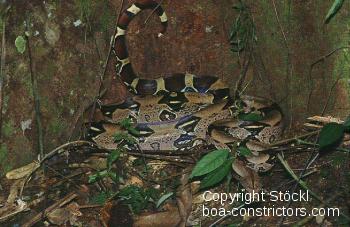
<point x="9" y="211"/>
<point x="289" y="140"/>
<point x="162" y="157"/>
<point x="55" y="151"/>
<point x="60" y="203"/>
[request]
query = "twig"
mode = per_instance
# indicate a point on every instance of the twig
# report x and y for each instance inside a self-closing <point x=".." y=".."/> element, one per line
<point x="282" y="142"/>
<point x="262" y="73"/>
<point x="61" y="148"/>
<point x="102" y="91"/>
<point x="55" y="151"/>
<point x="162" y="157"/>
<point x="317" y="145"/>
<point x="43" y="213"/>
<point x="110" y="50"/>
<point x="89" y="206"/>
<point x="2" y="74"/>
<point x="35" y="91"/>
<point x="64" y="177"/>
<point x="321" y="59"/>
<point x="289" y="72"/>
<point x="279" y="23"/>
<point x="11" y="211"/>
<point x="293" y="149"/>
<point x="149" y="16"/>
<point x="242" y="76"/>
<point x="292" y="181"/>
<point x="311" y="159"/>
<point x="34" y="83"/>
<point x="143" y="159"/>
<point x="295" y="177"/>
<point x="329" y="96"/>
<point x="298" y="180"/>
<point x="170" y="152"/>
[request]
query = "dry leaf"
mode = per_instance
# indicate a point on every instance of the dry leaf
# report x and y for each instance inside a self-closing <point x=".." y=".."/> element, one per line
<point x="22" y="171"/>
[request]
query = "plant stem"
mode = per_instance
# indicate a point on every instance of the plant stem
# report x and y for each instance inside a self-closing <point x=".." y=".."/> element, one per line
<point x="2" y="74"/>
<point x="101" y="89"/>
<point x="36" y="97"/>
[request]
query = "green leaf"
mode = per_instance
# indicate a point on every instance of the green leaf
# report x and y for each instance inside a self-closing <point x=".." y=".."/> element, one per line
<point x="20" y="44"/>
<point x="112" y="157"/>
<point x="245" y="151"/>
<point x="164" y="198"/>
<point x="337" y="4"/>
<point x="136" y="197"/>
<point x="218" y="175"/>
<point x="330" y="134"/>
<point x="134" y="131"/>
<point x="126" y="123"/>
<point x="210" y="162"/>
<point x="101" y="197"/>
<point x="98" y="176"/>
<point x="138" y="162"/>
<point x="250" y="117"/>
<point x="113" y="176"/>
<point x="233" y="225"/>
<point x="93" y="178"/>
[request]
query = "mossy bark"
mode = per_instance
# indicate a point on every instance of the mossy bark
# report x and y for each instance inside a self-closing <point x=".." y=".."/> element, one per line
<point x="70" y="46"/>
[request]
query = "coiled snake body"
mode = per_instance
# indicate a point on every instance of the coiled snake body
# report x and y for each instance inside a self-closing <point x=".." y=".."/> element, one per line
<point x="173" y="112"/>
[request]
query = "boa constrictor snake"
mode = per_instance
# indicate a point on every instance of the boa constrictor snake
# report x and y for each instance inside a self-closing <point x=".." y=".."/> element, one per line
<point x="175" y="111"/>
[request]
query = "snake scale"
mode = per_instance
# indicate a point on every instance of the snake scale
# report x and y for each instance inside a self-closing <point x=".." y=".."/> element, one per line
<point x="174" y="112"/>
